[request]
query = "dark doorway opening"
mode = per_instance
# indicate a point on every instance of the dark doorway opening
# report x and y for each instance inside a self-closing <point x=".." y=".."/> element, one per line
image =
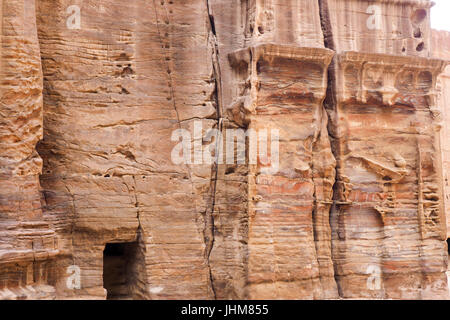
<point x="122" y="271"/>
<point x="448" y="246"/>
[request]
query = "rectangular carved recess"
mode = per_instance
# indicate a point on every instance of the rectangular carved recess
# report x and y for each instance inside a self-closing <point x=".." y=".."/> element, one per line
<point x="386" y="130"/>
<point x="282" y="87"/>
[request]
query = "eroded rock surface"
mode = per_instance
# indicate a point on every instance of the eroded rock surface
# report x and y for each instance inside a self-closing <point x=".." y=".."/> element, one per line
<point x="441" y="50"/>
<point x="95" y="93"/>
<point x="27" y="242"/>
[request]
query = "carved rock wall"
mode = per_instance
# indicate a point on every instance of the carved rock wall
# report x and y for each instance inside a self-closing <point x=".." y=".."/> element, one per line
<point x="273" y="70"/>
<point x="397" y="27"/>
<point x="115" y="90"/>
<point x="441" y="50"/>
<point x="287" y="252"/>
<point x="27" y="242"/>
<point x="388" y="218"/>
<point x="352" y="205"/>
<point x="388" y="177"/>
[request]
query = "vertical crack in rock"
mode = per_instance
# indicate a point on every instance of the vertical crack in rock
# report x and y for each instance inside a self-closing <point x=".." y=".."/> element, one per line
<point x="323" y="174"/>
<point x="209" y="216"/>
<point x="326" y="25"/>
<point x="329" y="102"/>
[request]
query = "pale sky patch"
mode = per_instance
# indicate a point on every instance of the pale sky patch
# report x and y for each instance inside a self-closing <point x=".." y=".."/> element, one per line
<point x="440" y="15"/>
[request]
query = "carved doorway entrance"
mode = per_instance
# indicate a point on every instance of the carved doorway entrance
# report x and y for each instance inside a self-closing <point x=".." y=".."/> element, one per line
<point x="121" y="272"/>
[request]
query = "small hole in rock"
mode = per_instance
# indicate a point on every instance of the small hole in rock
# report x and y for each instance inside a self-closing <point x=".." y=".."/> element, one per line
<point x="417" y="33"/>
<point x="123" y="57"/>
<point x="258" y="67"/>
<point x="420" y="46"/>
<point x="419" y="16"/>
<point x="127" y="71"/>
<point x="230" y="170"/>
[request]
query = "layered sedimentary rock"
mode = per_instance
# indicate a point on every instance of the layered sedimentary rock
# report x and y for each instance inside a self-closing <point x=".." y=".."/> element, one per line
<point x="115" y="91"/>
<point x="388" y="217"/>
<point x="27" y="242"/>
<point x="345" y="200"/>
<point x="273" y="69"/>
<point x="441" y="50"/>
<point x="395" y="27"/>
<point x="388" y="190"/>
<point x="281" y="91"/>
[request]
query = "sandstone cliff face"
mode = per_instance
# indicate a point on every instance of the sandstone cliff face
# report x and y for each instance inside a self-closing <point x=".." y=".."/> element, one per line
<point x="388" y="195"/>
<point x="115" y="90"/>
<point x="27" y="242"/>
<point x="353" y="209"/>
<point x="441" y="49"/>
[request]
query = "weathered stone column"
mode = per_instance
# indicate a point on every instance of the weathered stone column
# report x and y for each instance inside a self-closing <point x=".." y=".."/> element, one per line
<point x="441" y="50"/>
<point x="27" y="242"/>
<point x="290" y="197"/>
<point x="388" y="218"/>
<point x="272" y="235"/>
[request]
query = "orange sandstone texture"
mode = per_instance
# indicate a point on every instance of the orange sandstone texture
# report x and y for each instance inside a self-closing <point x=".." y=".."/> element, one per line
<point x="96" y="89"/>
<point x="441" y="50"/>
<point x="114" y="92"/>
<point x="388" y="219"/>
<point x="28" y="244"/>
